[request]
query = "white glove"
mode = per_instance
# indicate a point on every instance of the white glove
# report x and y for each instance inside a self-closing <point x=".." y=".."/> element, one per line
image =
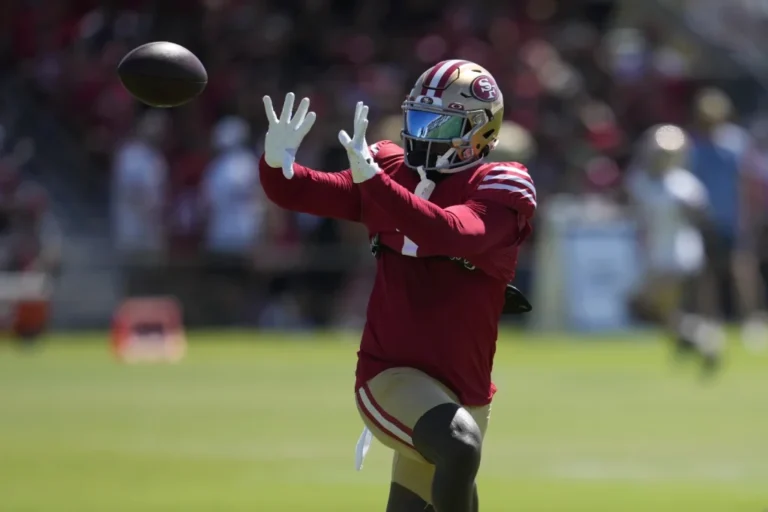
<point x="360" y="159"/>
<point x="286" y="133"/>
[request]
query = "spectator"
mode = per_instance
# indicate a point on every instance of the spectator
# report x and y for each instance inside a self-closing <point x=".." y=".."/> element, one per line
<point x="138" y="193"/>
<point x="35" y="237"/>
<point x="34" y="250"/>
<point x="231" y="196"/>
<point x="715" y="160"/>
<point x="755" y="225"/>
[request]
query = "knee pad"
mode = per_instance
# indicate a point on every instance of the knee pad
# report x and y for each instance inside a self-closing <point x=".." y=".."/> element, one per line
<point x="449" y="435"/>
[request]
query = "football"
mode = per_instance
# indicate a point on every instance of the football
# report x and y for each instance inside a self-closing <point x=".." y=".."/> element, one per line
<point x="162" y="74"/>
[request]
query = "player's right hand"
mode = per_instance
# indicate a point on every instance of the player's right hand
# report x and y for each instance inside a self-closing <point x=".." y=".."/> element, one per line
<point x="286" y="132"/>
<point x="361" y="161"/>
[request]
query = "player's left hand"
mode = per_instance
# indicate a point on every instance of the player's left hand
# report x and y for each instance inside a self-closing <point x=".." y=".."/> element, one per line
<point x="360" y="159"/>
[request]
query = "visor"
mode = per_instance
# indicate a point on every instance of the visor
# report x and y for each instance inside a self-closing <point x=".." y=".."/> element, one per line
<point x="430" y="125"/>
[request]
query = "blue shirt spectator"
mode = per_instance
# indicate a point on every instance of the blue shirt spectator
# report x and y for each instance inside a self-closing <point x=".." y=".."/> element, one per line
<point x="718" y="169"/>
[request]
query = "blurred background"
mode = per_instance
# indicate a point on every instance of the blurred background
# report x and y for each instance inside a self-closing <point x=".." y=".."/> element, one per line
<point x="129" y="201"/>
<point x="102" y="199"/>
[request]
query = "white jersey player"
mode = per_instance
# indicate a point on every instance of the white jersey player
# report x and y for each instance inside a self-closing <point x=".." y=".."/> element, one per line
<point x="671" y="205"/>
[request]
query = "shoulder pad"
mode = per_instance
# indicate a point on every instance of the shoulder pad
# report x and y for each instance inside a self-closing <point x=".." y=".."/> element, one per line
<point x="385" y="152"/>
<point x="508" y="183"/>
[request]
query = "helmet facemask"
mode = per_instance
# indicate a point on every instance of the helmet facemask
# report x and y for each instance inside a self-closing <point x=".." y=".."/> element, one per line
<point x="437" y="139"/>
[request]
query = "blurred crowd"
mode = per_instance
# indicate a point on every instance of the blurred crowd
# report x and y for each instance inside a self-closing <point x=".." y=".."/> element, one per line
<point x="30" y="246"/>
<point x="578" y="94"/>
<point x="738" y="25"/>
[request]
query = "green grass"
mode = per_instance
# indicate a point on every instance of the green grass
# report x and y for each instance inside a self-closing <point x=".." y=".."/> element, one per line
<point x="252" y="422"/>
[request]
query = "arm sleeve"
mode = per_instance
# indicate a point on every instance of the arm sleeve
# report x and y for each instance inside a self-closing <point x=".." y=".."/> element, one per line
<point x="463" y="230"/>
<point x="326" y="194"/>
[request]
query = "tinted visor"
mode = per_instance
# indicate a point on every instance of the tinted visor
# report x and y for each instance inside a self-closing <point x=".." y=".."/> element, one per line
<point x="431" y="125"/>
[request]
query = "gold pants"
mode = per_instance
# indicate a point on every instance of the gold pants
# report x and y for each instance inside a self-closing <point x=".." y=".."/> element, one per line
<point x="390" y="404"/>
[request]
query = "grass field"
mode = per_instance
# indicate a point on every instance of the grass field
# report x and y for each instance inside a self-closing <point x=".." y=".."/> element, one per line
<point x="251" y="422"/>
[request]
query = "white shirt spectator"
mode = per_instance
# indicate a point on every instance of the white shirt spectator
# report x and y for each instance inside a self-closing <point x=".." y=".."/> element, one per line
<point x="733" y="137"/>
<point x="232" y="192"/>
<point x="673" y="243"/>
<point x="139" y="181"/>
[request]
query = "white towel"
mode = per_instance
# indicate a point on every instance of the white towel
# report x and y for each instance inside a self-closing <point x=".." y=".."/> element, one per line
<point x="363" y="445"/>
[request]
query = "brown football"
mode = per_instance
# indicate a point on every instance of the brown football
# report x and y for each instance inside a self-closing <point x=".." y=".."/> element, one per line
<point x="162" y="74"/>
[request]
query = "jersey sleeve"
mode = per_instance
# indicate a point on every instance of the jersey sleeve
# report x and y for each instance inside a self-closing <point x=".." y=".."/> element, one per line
<point x="462" y="230"/>
<point x="325" y="194"/>
<point x="386" y="153"/>
<point x="510" y="185"/>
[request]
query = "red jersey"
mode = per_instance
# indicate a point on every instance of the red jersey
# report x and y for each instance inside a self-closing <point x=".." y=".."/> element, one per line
<point x="425" y="312"/>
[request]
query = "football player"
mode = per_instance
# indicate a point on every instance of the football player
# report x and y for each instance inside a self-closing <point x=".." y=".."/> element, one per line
<point x="445" y="227"/>
<point x="672" y="207"/>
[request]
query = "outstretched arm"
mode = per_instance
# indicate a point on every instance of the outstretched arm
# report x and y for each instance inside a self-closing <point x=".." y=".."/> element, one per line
<point x="462" y="230"/>
<point x="326" y="194"/>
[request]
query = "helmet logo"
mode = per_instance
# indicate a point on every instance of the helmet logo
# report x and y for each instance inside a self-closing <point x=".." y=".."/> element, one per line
<point x="484" y="88"/>
<point x="427" y="100"/>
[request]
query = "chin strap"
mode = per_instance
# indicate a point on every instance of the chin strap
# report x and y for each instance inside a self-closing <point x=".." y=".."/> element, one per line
<point x="426" y="186"/>
<point x="445" y="158"/>
<point x="461" y="168"/>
